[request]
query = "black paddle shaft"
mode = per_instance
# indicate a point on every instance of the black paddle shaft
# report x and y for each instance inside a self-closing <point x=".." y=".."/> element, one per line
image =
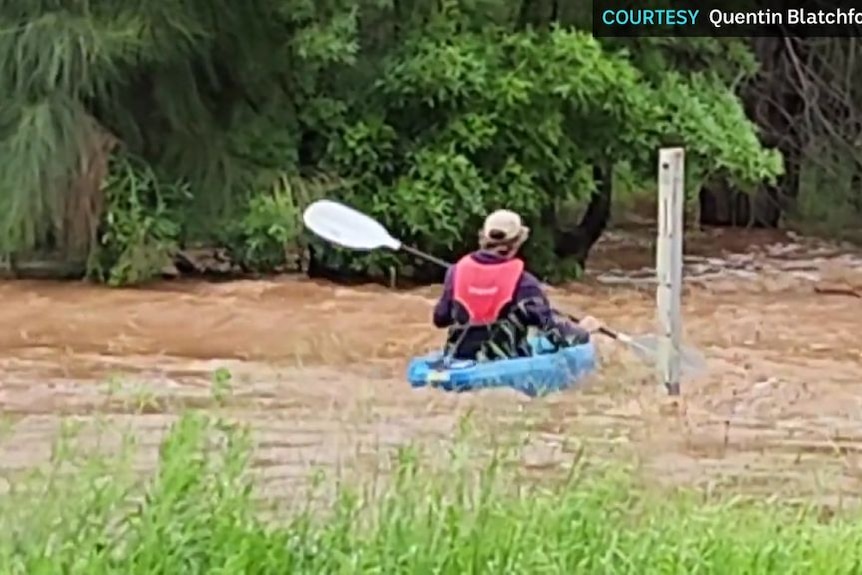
<point x="427" y="257"/>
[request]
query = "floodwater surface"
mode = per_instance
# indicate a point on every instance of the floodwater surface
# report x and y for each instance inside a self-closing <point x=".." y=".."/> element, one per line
<point x="317" y="369"/>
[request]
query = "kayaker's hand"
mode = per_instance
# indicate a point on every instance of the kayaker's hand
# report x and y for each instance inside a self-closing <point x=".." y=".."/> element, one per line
<point x="590" y="324"/>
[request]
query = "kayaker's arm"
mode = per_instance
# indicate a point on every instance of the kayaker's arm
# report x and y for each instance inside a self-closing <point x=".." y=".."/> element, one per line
<point x="443" y="316"/>
<point x="538" y="313"/>
<point x="534" y="303"/>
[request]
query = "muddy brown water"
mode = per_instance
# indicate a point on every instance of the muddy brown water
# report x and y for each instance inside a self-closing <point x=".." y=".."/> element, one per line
<point x="318" y="369"/>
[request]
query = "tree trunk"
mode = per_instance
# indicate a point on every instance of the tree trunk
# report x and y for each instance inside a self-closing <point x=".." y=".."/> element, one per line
<point x="577" y="243"/>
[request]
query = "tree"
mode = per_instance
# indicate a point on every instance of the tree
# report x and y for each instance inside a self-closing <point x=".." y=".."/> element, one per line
<point x="471" y="113"/>
<point x="430" y="113"/>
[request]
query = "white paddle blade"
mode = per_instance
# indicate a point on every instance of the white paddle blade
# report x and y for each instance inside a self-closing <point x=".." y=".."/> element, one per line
<point x="346" y="227"/>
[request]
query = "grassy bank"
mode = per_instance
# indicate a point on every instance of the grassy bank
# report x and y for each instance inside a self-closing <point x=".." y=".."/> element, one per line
<point x="197" y="514"/>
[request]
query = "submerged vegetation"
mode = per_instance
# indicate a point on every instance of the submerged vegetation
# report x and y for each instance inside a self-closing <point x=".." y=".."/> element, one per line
<point x="199" y="513"/>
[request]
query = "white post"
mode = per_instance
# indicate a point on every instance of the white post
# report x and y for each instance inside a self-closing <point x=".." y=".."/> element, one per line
<point x="671" y="205"/>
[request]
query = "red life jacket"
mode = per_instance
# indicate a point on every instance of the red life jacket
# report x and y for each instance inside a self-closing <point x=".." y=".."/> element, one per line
<point x="485" y="289"/>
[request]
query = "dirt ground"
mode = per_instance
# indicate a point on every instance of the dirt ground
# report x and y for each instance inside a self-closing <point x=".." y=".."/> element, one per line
<point x="318" y="369"/>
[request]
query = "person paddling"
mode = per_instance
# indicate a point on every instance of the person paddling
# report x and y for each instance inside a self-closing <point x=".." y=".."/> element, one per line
<point x="489" y="301"/>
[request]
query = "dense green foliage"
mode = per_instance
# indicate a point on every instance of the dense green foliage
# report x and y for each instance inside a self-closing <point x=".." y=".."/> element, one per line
<point x="129" y="131"/>
<point x="198" y="513"/>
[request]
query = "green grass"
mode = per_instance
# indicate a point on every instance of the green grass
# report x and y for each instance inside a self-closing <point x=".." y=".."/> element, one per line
<point x="197" y="514"/>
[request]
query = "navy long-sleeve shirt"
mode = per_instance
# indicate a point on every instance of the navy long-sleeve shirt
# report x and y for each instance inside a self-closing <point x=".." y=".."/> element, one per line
<point x="529" y="296"/>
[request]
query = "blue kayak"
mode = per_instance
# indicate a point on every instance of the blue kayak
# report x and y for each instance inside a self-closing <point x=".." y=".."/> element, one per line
<point x="546" y="371"/>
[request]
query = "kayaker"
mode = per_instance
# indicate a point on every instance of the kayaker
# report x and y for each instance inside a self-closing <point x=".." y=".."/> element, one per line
<point x="489" y="301"/>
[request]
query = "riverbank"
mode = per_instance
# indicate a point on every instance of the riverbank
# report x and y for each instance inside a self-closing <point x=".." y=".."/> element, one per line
<point x="198" y="514"/>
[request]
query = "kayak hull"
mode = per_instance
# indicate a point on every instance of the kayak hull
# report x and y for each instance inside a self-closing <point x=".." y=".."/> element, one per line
<point x="547" y="371"/>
